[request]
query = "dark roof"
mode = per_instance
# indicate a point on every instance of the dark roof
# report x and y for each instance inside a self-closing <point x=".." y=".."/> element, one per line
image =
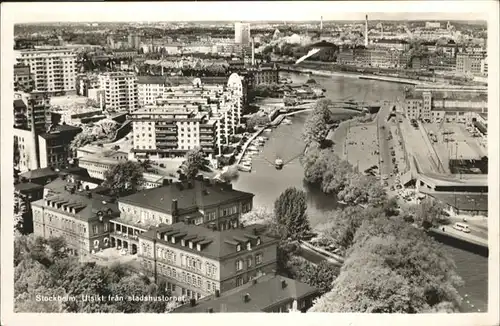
<point x="200" y="194"/>
<point x="468" y="202"/>
<point x="391" y="41"/>
<point x="19" y="104"/>
<point x="27" y="186"/>
<point x="87" y="208"/>
<point x="215" y="244"/>
<point x="49" y="172"/>
<point x="262" y="296"/>
<point x="61" y="131"/>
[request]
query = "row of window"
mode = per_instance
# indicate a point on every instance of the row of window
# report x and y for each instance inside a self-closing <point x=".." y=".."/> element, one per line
<point x="249" y="261"/>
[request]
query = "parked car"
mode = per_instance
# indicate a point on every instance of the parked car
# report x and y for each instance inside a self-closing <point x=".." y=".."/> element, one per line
<point x="461" y="227"/>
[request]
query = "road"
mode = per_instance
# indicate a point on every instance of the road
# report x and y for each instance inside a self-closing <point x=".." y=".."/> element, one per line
<point x="386" y="166"/>
<point x="477" y="227"/>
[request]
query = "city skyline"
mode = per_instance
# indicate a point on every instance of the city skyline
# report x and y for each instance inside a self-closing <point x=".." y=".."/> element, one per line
<point x="249" y="11"/>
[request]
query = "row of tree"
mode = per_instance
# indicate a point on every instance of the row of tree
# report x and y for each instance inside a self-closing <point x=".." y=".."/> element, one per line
<point x="390" y="267"/>
<point x="44" y="269"/>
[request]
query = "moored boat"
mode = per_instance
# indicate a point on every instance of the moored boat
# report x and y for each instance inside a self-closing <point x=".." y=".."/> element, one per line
<point x="278" y="163"/>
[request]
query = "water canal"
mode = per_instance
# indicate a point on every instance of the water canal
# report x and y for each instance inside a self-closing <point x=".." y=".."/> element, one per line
<point x="285" y="141"/>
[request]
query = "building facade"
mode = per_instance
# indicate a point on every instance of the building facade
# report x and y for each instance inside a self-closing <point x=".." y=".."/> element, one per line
<point x="81" y="218"/>
<point x="197" y="261"/>
<point x="54" y="70"/>
<point x="469" y="64"/>
<point x="120" y="91"/>
<point x="242" y="33"/>
<point x="54" y="145"/>
<point x="23" y="78"/>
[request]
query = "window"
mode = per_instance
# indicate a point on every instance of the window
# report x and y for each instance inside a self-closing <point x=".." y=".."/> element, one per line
<point x="258" y="241"/>
<point x="95" y="229"/>
<point x="105" y="227"/>
<point x="238" y="247"/>
<point x="239" y="265"/>
<point x="258" y="259"/>
<point x="239" y="281"/>
<point x="249" y="245"/>
<point x="249" y="262"/>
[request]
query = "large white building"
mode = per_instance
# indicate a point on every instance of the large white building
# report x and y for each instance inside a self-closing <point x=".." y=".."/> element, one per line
<point x="120" y="91"/>
<point x="242" y="33"/>
<point x="53" y="70"/>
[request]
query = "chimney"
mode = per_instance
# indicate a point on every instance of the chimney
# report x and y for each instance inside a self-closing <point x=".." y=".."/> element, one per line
<point x="192" y="302"/>
<point x="253" y="52"/>
<point x="217" y="293"/>
<point x="283" y="284"/>
<point x="366" y="31"/>
<point x="174" y="206"/>
<point x="246" y="297"/>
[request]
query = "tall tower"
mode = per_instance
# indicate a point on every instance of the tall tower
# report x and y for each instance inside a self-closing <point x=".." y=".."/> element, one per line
<point x="366" y="30"/>
<point x="321" y="24"/>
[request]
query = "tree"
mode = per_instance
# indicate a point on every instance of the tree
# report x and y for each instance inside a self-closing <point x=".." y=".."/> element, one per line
<point x="256" y="120"/>
<point x="315" y="128"/>
<point x="259" y="215"/>
<point x="427" y="214"/>
<point x="393" y="268"/>
<point x="321" y="275"/>
<point x="194" y="162"/>
<point x="156" y="291"/>
<point x="124" y="178"/>
<point x="290" y="212"/>
<point x="230" y="174"/>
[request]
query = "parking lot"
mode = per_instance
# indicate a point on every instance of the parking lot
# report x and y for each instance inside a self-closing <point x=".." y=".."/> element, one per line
<point x="453" y="141"/>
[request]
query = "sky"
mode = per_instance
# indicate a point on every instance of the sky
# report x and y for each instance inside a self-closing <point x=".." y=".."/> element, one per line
<point x="245" y="11"/>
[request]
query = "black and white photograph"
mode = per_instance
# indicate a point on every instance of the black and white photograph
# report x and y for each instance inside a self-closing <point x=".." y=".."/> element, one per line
<point x="250" y="157"/>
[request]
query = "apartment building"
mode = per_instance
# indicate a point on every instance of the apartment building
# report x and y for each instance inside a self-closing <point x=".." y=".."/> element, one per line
<point x="31" y="110"/>
<point x="261" y="75"/>
<point x="171" y="131"/>
<point x="391" y="44"/>
<point x="450" y="106"/>
<point x="54" y="70"/>
<point x="80" y="217"/>
<point x="242" y="33"/>
<point x="197" y="202"/>
<point x="23" y="78"/>
<point x="468" y="63"/>
<point x="484" y="66"/>
<point x="24" y="194"/>
<point x="197" y="261"/>
<point x="54" y="145"/>
<point x="120" y="91"/>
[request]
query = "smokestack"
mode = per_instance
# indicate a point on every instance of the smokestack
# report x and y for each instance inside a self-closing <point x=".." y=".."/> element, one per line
<point x="321" y="24"/>
<point x="253" y="52"/>
<point x="366" y="30"/>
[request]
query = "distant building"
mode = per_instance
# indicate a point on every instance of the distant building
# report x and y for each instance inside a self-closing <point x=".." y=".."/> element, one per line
<point x="484" y="67"/>
<point x="450" y="106"/>
<point x="263" y="74"/>
<point x="54" y="70"/>
<point x="23" y="78"/>
<point x="54" y="145"/>
<point x="432" y="25"/>
<point x="31" y="111"/>
<point x="120" y="91"/>
<point x="394" y="44"/>
<point x="198" y="261"/>
<point x="242" y="33"/>
<point x="269" y="293"/>
<point x="134" y="41"/>
<point x="469" y="63"/>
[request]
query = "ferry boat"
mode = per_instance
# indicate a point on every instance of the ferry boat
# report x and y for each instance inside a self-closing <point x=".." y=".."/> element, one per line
<point x="278" y="163"/>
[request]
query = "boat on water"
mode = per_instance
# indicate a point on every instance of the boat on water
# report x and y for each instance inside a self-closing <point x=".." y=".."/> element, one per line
<point x="268" y="130"/>
<point x="244" y="169"/>
<point x="253" y="148"/>
<point x="278" y="164"/>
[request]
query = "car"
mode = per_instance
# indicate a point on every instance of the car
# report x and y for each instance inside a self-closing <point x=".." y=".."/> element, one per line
<point x="162" y="165"/>
<point x="461" y="227"/>
<point x="386" y="183"/>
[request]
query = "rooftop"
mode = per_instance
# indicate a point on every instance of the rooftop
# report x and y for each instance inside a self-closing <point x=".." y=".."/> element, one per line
<point x="269" y="291"/>
<point x="189" y="195"/>
<point x="212" y="243"/>
<point x="49" y="173"/>
<point x="80" y="205"/>
<point x="60" y="130"/>
<point x="27" y="187"/>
